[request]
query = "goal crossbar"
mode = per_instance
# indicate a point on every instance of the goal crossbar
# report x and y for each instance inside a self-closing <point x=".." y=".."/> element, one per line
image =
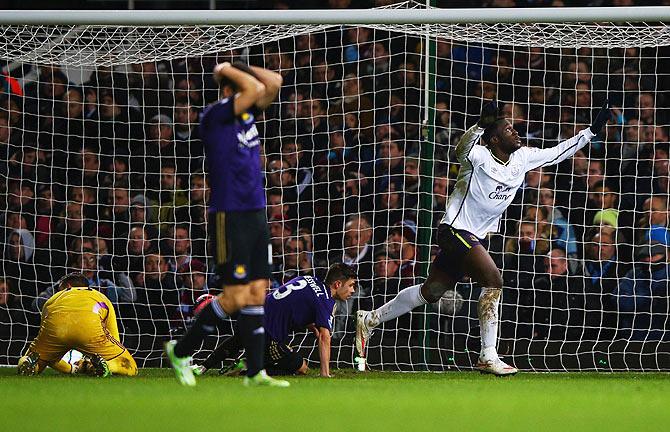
<point x="347" y="16"/>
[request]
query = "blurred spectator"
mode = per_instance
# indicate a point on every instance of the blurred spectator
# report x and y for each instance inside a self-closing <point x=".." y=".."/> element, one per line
<point x="13" y="318"/>
<point x="571" y="186"/>
<point x="390" y="163"/>
<point x="655" y="221"/>
<point x="411" y="182"/>
<point x="71" y="226"/>
<point x="142" y="211"/>
<point x="559" y="304"/>
<point x="386" y="277"/>
<point x="116" y="124"/>
<point x="563" y="234"/>
<point x="390" y="206"/>
<point x="177" y="248"/>
<point x="18" y="267"/>
<point x="130" y="259"/>
<point x="358" y="103"/>
<point x="45" y="220"/>
<point x="357" y="252"/>
<point x="276" y="208"/>
<point x="522" y="261"/>
<point x="641" y="296"/>
<point x="603" y="207"/>
<point x="171" y="197"/>
<point x="544" y="232"/>
<point x="279" y="175"/>
<point x="602" y="271"/>
<point x="157" y="297"/>
<point x="280" y="230"/>
<point x="148" y="88"/>
<point x="401" y="244"/>
<point x="193" y="276"/>
<point x="119" y="211"/>
<point x="446" y="130"/>
<point x="86" y="262"/>
<point x="296" y="260"/>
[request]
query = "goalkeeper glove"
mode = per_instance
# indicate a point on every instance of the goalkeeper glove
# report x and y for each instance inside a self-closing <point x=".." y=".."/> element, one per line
<point x="244" y="68"/>
<point x="489" y="115"/>
<point x="601" y="118"/>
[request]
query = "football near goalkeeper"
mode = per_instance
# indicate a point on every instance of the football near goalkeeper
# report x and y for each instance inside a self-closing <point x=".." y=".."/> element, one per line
<point x="78" y="317"/>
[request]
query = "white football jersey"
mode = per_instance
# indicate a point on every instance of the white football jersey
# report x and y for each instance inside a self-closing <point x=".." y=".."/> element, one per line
<point x="486" y="186"/>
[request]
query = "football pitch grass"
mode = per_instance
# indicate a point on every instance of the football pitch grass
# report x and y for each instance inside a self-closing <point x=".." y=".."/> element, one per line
<point x="371" y="401"/>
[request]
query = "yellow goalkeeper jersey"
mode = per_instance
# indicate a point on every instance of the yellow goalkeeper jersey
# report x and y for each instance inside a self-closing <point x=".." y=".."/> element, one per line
<point x="78" y="318"/>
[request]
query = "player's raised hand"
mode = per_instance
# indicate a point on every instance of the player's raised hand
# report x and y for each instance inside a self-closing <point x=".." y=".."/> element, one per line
<point x="489" y="114"/>
<point x="602" y="117"/>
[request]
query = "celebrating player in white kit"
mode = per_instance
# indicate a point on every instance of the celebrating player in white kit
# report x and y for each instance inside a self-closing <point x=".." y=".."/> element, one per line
<point x="487" y="182"/>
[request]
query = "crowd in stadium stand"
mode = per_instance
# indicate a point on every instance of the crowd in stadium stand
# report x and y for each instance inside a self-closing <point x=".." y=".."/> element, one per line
<point x="108" y="177"/>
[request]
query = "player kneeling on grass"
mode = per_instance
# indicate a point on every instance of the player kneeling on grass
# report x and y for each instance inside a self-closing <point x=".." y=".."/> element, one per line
<point x="303" y="302"/>
<point x="81" y="318"/>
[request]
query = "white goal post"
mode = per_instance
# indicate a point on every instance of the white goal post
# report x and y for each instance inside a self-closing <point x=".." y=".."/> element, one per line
<point x="101" y="169"/>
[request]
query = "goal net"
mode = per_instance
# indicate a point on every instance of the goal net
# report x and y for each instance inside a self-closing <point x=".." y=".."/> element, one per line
<point x="102" y="171"/>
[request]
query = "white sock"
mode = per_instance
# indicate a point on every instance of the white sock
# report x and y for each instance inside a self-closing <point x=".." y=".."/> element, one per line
<point x="488" y="321"/>
<point x="405" y="301"/>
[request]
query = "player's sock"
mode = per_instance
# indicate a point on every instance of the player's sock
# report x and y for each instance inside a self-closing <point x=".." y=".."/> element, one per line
<point x="203" y="325"/>
<point x="252" y="335"/>
<point x="488" y="322"/>
<point x="405" y="301"/>
<point x="230" y="348"/>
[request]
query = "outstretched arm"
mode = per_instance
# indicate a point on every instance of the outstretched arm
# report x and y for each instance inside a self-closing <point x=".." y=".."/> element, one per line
<point x="566" y="149"/>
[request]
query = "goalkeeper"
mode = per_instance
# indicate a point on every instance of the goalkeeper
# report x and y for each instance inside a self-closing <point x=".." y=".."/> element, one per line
<point x="78" y="317"/>
<point x="487" y="182"/>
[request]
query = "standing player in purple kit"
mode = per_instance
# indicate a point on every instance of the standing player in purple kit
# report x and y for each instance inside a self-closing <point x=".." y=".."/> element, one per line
<point x="238" y="225"/>
<point x="303" y="302"/>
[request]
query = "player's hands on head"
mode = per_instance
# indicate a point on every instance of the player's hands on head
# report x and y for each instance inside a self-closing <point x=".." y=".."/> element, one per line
<point x="601" y="119"/>
<point x="489" y="114"/>
<point x="217" y="70"/>
<point x="244" y="68"/>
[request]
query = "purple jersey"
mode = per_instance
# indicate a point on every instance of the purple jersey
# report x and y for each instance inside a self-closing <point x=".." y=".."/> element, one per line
<point x="301" y="301"/>
<point x="232" y="149"/>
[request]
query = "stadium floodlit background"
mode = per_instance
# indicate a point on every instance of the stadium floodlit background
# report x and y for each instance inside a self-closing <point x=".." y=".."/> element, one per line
<point x="102" y="171"/>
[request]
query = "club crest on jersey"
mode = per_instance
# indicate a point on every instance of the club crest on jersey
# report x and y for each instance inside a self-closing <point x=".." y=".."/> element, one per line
<point x="500" y="194"/>
<point x="247" y="118"/>
<point x="240" y="271"/>
<point x="516" y="170"/>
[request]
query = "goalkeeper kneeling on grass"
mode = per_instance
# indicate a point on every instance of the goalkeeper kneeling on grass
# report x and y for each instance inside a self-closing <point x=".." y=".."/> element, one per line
<point x="81" y="318"/>
<point x="303" y="302"/>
